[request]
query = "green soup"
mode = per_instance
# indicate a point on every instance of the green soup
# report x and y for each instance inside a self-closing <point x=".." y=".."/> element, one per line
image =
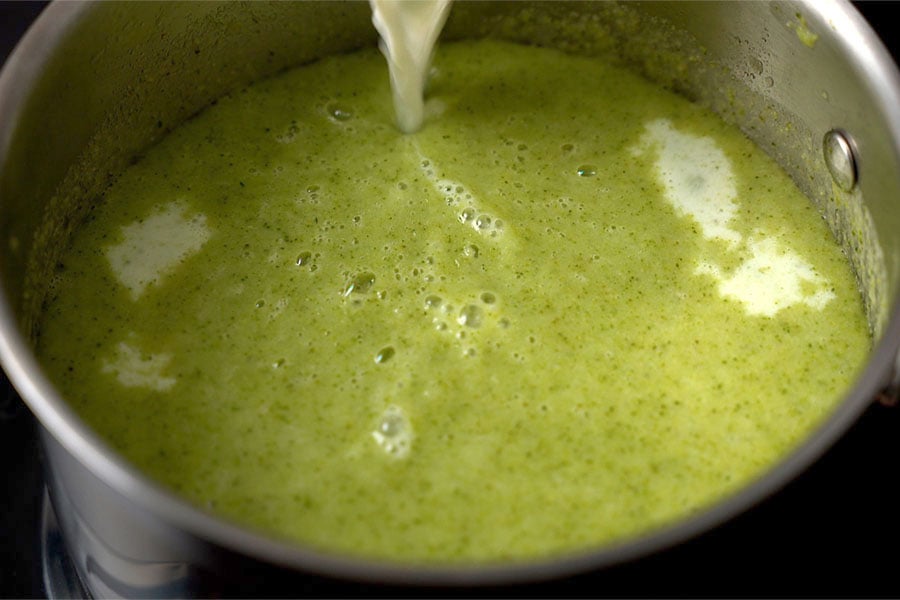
<point x="572" y="308"/>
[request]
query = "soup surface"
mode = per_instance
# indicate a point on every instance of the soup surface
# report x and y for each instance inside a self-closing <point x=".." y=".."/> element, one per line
<point x="572" y="308"/>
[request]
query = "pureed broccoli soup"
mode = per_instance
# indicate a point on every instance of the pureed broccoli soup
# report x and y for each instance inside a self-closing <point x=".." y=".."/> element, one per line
<point x="571" y="308"/>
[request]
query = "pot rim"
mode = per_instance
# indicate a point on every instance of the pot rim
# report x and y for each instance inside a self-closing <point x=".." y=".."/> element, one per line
<point x="55" y="416"/>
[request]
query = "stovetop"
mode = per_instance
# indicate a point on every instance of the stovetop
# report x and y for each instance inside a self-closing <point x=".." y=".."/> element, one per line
<point x="832" y="532"/>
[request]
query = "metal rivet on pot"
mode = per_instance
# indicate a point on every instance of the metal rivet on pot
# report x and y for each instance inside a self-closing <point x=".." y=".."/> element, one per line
<point x="840" y="159"/>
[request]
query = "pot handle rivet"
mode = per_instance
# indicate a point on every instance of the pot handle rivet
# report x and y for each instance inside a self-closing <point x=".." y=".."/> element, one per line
<point x="840" y="159"/>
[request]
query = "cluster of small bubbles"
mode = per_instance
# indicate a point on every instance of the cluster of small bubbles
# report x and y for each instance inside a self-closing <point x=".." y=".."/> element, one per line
<point x="470" y="251"/>
<point x="586" y="171"/>
<point x="756" y="66"/>
<point x="394" y="432"/>
<point x="290" y="134"/>
<point x="338" y="113"/>
<point x="467" y="322"/>
<point x="381" y="294"/>
<point x="452" y="191"/>
<point x="384" y="355"/>
<point x="359" y="284"/>
<point x="470" y="316"/>
<point x="482" y="223"/>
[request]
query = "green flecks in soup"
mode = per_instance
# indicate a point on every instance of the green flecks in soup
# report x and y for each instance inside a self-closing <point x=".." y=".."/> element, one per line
<point x="572" y="308"/>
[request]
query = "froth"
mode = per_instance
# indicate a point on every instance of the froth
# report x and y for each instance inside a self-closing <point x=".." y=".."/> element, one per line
<point x="458" y="195"/>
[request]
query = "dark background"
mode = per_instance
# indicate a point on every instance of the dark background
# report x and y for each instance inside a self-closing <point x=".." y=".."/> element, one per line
<point x="833" y="532"/>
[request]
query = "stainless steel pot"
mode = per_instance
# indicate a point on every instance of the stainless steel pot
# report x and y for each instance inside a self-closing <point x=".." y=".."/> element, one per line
<point x="91" y="85"/>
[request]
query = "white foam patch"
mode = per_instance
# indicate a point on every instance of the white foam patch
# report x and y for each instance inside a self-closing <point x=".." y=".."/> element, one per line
<point x="152" y="247"/>
<point x="696" y="176"/>
<point x="772" y="279"/>
<point x="134" y="368"/>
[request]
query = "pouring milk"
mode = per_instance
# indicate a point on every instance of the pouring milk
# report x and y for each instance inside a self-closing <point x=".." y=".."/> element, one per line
<point x="408" y="30"/>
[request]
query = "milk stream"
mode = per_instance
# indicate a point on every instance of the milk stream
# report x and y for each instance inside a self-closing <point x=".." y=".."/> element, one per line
<point x="409" y="30"/>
